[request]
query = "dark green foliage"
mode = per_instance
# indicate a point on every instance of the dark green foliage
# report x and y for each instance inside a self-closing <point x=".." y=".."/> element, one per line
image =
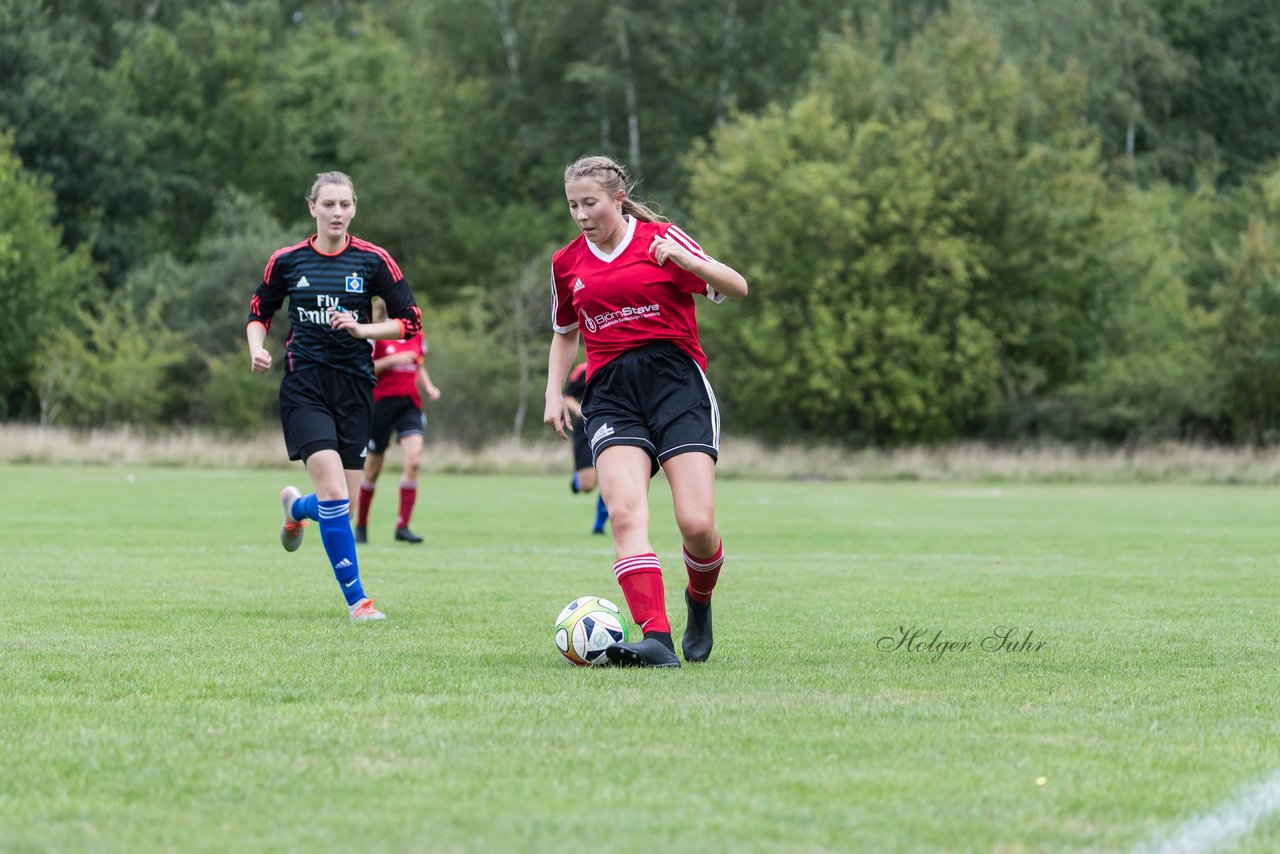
<point x="117" y="365"/>
<point x="41" y="283"/>
<point x="919" y="241"/>
<point x="477" y="376"/>
<point x="1133" y="72"/>
<point x="1232" y="98"/>
<point x="234" y="400"/>
<point x="959" y="218"/>
<point x="1153" y="376"/>
<point x="1246" y="336"/>
<point x="69" y="124"/>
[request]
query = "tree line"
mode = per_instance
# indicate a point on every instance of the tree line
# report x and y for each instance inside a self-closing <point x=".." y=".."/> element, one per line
<point x="960" y="218"/>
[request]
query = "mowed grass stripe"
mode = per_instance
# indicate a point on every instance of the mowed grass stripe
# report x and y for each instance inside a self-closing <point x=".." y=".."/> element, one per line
<point x="173" y="679"/>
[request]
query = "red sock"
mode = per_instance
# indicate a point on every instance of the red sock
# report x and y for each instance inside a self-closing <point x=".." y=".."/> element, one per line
<point x="366" y="498"/>
<point x="703" y="573"/>
<point x="641" y="579"/>
<point x="408" y="495"/>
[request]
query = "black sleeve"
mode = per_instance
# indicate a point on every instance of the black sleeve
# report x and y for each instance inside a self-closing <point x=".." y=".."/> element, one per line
<point x="400" y="302"/>
<point x="268" y="297"/>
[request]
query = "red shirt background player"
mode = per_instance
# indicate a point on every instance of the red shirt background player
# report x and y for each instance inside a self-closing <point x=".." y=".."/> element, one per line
<point x="397" y="407"/>
<point x="400" y="379"/>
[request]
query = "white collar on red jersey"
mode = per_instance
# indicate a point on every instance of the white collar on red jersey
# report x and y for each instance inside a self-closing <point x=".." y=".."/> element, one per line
<point x="622" y="244"/>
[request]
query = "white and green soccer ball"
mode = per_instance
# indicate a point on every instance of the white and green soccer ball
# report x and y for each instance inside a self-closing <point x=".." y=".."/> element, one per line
<point x="586" y="626"/>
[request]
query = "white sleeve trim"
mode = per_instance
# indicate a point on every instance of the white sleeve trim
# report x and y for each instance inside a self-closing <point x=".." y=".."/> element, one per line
<point x="714" y="295"/>
<point x="687" y="242"/>
<point x="555" y="306"/>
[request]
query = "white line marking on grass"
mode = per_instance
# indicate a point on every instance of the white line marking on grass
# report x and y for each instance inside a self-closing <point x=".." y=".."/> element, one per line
<point x="1224" y="826"/>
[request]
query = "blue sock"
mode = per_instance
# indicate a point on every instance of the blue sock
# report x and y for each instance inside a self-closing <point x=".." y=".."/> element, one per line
<point x="602" y="513"/>
<point x="340" y="546"/>
<point x="573" y="483"/>
<point x="305" y="508"/>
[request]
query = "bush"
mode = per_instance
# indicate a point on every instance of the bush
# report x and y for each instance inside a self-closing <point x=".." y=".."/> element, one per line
<point x="111" y="368"/>
<point x="235" y="400"/>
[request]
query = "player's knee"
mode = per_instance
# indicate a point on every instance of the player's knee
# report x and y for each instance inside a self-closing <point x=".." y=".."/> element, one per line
<point x="697" y="525"/>
<point x="627" y="515"/>
<point x="586" y="479"/>
<point x="331" y="490"/>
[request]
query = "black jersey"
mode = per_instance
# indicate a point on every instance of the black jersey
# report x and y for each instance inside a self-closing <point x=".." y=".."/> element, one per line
<point x="314" y="283"/>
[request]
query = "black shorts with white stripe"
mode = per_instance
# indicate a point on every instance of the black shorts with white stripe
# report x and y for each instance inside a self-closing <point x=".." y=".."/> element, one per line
<point x="326" y="409"/>
<point x="395" y="413"/>
<point x="656" y="398"/>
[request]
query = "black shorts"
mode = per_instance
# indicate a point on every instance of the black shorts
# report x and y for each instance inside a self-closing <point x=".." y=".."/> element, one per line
<point x="656" y="398"/>
<point x="324" y="409"/>
<point x="581" y="447"/>
<point x="398" y="414"/>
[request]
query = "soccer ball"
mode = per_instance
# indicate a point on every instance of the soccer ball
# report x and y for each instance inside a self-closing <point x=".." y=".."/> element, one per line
<point x="586" y="626"/>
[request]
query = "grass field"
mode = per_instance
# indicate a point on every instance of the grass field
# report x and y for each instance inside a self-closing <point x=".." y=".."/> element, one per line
<point x="170" y="679"/>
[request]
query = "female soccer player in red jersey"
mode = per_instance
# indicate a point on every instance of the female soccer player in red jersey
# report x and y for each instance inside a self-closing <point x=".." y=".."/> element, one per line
<point x="397" y="406"/>
<point x="629" y="282"/>
<point x="326" y="395"/>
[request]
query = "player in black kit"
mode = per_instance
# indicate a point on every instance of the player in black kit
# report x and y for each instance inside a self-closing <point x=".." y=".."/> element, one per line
<point x="326" y="396"/>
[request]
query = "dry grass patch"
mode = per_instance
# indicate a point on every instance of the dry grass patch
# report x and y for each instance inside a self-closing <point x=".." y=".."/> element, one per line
<point x="960" y="462"/>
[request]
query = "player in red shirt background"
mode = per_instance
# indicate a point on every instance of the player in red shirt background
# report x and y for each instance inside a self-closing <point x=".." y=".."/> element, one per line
<point x="627" y="284"/>
<point x="397" y="405"/>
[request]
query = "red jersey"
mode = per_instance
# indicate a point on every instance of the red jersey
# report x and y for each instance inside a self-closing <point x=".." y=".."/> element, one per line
<point x="400" y="380"/>
<point x="624" y="299"/>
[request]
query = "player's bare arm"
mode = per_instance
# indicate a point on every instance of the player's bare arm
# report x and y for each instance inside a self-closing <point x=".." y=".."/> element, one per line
<point x="383" y="330"/>
<point x="403" y="358"/>
<point x="429" y="388"/>
<point x="556" y="415"/>
<point x="259" y="358"/>
<point x="723" y="278"/>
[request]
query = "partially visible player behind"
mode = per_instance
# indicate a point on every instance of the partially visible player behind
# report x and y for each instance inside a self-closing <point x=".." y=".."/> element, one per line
<point x="397" y="405"/>
<point x="584" y="468"/>
<point x="326" y="395"/>
<point x="629" y="281"/>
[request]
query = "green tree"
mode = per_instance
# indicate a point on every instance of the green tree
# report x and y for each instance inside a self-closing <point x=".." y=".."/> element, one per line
<point x="68" y="122"/>
<point x="1134" y="72"/>
<point x="204" y="302"/>
<point x="918" y="242"/>
<point x="40" y="282"/>
<point x="202" y="93"/>
<point x="1232" y="98"/>
<point x="110" y="367"/>
<point x="1246" y="346"/>
<point x="1153" y="375"/>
